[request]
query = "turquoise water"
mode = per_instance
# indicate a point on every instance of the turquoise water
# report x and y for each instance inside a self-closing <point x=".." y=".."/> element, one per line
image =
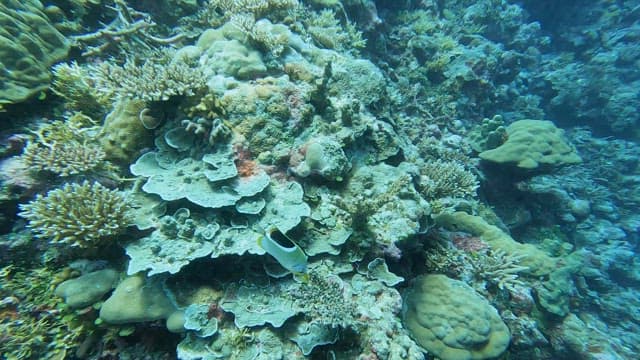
<point x="322" y="179"/>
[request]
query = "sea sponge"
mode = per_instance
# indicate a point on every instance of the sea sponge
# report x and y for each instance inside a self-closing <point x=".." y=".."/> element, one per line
<point x="449" y="319"/>
<point x="81" y="215"/>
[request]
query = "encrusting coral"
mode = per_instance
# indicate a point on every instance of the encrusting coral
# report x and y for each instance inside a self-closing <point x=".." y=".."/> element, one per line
<point x="81" y="215"/>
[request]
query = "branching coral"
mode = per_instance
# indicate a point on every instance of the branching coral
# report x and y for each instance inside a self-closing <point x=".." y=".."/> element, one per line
<point x="65" y="149"/>
<point x="261" y="33"/>
<point x="325" y="29"/>
<point x="32" y="324"/>
<point x="64" y="159"/>
<point x="499" y="268"/>
<point x="81" y="215"/>
<point x="467" y="257"/>
<point x="159" y="77"/>
<point x="446" y="179"/>
<point x="129" y="29"/>
<point x="258" y="8"/>
<point x="210" y="130"/>
<point x="76" y="87"/>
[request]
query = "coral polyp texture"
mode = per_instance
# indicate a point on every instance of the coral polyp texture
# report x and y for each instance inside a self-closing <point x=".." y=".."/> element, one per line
<point x="29" y="45"/>
<point x="64" y="158"/>
<point x="82" y="215"/>
<point x="450" y="320"/>
<point x="319" y="179"/>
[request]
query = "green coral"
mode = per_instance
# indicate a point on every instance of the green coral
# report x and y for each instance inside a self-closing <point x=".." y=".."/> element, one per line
<point x="533" y="144"/>
<point x="450" y="320"/>
<point x="82" y="215"/>
<point x="29" y="45"/>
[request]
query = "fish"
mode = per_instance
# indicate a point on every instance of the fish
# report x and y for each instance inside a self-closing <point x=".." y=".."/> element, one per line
<point x="288" y="254"/>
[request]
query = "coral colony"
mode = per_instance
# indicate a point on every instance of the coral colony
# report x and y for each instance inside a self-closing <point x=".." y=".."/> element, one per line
<point x="319" y="179"/>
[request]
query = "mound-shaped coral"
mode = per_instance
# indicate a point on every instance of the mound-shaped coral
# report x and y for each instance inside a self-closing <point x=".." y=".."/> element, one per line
<point x="82" y="215"/>
<point x="533" y="144"/>
<point x="29" y="45"/>
<point x="449" y="319"/>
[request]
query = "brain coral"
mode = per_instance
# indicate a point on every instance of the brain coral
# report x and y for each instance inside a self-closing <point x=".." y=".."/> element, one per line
<point x="449" y="319"/>
<point x="82" y="215"/>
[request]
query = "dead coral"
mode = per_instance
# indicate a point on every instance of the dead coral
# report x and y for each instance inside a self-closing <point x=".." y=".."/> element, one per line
<point x="129" y="29"/>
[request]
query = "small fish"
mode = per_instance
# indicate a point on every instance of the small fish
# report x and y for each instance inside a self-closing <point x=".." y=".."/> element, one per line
<point x="285" y="251"/>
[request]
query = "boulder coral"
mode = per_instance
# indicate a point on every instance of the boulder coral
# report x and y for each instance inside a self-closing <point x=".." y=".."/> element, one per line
<point x="29" y="45"/>
<point x="533" y="145"/>
<point x="449" y="319"/>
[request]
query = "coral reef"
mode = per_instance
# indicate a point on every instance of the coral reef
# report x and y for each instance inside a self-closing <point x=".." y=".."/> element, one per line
<point x="446" y="179"/>
<point x="533" y="144"/>
<point x="162" y="74"/>
<point x="322" y="179"/>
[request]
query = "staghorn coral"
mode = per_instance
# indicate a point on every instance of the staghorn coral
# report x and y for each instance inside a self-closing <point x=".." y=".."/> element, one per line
<point x="74" y="84"/>
<point x="160" y="76"/>
<point x="81" y="215"/>
<point x="65" y="148"/>
<point x="65" y="159"/>
<point x="440" y="179"/>
<point x="499" y="268"/>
